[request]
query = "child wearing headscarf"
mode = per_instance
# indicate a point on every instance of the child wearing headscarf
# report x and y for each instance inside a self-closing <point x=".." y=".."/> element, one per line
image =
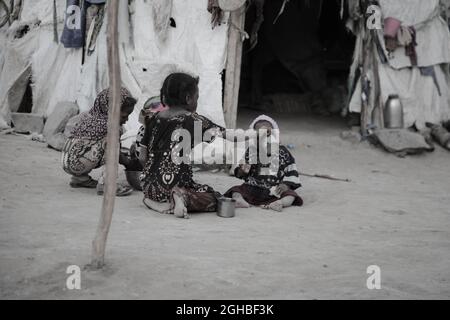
<point x="84" y="151"/>
<point x="133" y="163"/>
<point x="264" y="186"/>
<point x="151" y="106"/>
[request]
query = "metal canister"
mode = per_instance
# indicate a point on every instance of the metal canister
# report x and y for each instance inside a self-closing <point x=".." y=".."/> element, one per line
<point x="226" y="208"/>
<point x="393" y="113"/>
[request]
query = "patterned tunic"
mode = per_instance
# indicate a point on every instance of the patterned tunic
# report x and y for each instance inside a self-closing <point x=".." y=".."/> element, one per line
<point x="258" y="187"/>
<point x="84" y="151"/>
<point x="81" y="156"/>
<point x="161" y="174"/>
<point x="287" y="172"/>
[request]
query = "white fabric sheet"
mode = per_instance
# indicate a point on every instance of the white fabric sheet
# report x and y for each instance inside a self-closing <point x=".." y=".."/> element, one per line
<point x="192" y="46"/>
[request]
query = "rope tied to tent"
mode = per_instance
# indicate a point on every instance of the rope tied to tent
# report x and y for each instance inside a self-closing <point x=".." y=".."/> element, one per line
<point x="283" y="6"/>
<point x="244" y="34"/>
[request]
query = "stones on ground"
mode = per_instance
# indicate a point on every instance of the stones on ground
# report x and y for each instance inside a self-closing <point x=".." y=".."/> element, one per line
<point x="27" y="122"/>
<point x="401" y="142"/>
<point x="57" y="141"/>
<point x="57" y="121"/>
<point x="440" y="134"/>
<point x="38" y="137"/>
<point x="352" y="136"/>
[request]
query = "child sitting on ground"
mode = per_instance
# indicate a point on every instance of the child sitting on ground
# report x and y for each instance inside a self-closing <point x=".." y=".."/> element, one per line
<point x="263" y="187"/>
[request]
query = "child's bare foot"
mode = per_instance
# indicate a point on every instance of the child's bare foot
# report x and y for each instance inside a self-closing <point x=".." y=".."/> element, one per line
<point x="157" y="206"/>
<point x="275" y="206"/>
<point x="242" y="204"/>
<point x="180" y="210"/>
<point x="240" y="201"/>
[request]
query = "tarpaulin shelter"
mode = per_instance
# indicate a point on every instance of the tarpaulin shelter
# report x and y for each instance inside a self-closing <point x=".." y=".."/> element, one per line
<point x="157" y="37"/>
<point x="307" y="37"/>
<point x="162" y="36"/>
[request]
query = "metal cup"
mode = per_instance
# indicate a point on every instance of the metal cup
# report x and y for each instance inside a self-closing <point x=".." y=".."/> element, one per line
<point x="226" y="208"/>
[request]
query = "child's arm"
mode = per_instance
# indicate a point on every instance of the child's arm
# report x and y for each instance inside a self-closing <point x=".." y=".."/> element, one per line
<point x="290" y="171"/>
<point x="144" y="140"/>
<point x="143" y="155"/>
<point x="243" y="169"/>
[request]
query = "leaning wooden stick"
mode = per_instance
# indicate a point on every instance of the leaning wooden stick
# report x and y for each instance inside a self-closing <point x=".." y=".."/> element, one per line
<point x="112" y="148"/>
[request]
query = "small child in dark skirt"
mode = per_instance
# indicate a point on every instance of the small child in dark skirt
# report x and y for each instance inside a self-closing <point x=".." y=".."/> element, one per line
<point x="264" y="187"/>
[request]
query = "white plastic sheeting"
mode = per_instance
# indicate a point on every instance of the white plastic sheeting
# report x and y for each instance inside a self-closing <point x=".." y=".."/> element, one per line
<point x="59" y="76"/>
<point x="54" y="70"/>
<point x="192" y="47"/>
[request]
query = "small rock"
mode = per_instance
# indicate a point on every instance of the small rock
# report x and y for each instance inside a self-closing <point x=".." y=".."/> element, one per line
<point x="352" y="136"/>
<point x="27" y="122"/>
<point x="401" y="142"/>
<point x="57" y="141"/>
<point x="57" y="121"/>
<point x="37" y="137"/>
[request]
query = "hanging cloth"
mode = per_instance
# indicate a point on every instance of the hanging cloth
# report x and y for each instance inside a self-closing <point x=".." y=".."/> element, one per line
<point x="73" y="35"/>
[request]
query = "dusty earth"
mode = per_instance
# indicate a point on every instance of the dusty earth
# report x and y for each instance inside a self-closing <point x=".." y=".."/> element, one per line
<point x="394" y="214"/>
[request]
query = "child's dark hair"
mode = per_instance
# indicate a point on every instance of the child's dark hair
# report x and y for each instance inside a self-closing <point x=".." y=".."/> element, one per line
<point x="128" y="103"/>
<point x="176" y="88"/>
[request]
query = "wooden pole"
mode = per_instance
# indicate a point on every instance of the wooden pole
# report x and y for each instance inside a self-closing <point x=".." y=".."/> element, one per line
<point x="113" y="137"/>
<point x="233" y="67"/>
<point x="364" y="61"/>
<point x="377" y="82"/>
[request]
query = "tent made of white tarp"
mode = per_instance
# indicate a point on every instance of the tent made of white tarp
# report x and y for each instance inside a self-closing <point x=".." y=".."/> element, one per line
<point x="58" y="74"/>
<point x="193" y="46"/>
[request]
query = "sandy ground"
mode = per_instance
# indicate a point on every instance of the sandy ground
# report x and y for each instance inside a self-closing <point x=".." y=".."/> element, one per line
<point x="395" y="214"/>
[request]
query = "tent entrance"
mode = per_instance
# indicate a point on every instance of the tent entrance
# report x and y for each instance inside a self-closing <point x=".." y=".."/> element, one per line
<point x="26" y="106"/>
<point x="301" y="62"/>
<point x="20" y="93"/>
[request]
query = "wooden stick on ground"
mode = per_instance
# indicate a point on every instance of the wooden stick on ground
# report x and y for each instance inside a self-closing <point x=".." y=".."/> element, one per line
<point x="324" y="176"/>
<point x="113" y="137"/>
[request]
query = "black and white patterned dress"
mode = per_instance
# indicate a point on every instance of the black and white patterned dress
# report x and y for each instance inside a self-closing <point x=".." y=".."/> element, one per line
<point x="256" y="189"/>
<point x="161" y="174"/>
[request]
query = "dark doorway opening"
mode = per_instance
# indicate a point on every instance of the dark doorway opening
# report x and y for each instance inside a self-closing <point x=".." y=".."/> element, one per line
<point x="26" y="105"/>
<point x="301" y="62"/>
